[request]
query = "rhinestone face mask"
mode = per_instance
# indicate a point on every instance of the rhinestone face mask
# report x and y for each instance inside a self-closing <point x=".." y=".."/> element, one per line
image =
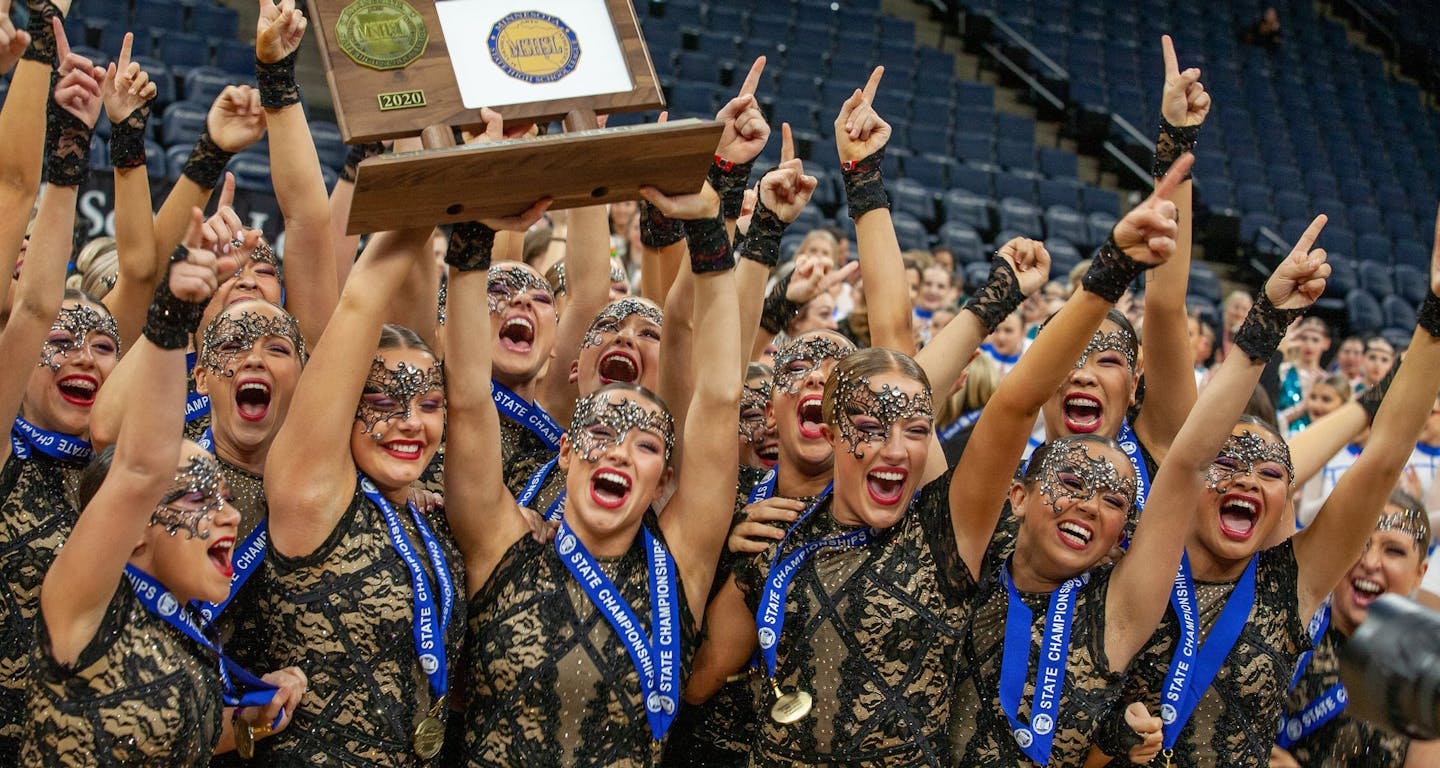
<point x="400" y="385"/>
<point x="263" y="253"/>
<point x="233" y="335"/>
<point x="1242" y="453"/>
<point x="888" y="405"/>
<point x="1070" y="473"/>
<point x="1412" y="522"/>
<point x="201" y="478"/>
<point x="505" y="282"/>
<point x="1119" y="341"/>
<point x="610" y="318"/>
<point x="753" y="400"/>
<point x="797" y="359"/>
<point x="621" y="418"/>
<point x="617" y="274"/>
<point x="78" y="321"/>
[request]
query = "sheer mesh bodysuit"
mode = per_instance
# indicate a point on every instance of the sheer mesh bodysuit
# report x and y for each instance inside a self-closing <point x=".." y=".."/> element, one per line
<point x="343" y="614"/>
<point x="550" y="683"/>
<point x="873" y="634"/>
<point x="1343" y="742"/>
<point x="36" y="517"/>
<point x="140" y="694"/>
<point x="521" y="453"/>
<point x="1235" y="722"/>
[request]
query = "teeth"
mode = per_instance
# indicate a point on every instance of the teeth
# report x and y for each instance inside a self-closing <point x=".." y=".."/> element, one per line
<point x="254" y="386"/>
<point x="1075" y="530"/>
<point x="404" y="448"/>
<point x="1248" y="506"/>
<point x="1082" y="401"/>
<point x="890" y="476"/>
<point x="1368" y="586"/>
<point x="613" y="477"/>
<point x="520" y="321"/>
<point x="80" y="384"/>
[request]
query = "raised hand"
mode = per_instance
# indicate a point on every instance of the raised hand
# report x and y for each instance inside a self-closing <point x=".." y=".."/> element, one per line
<point x="859" y="130"/>
<point x="13" y="42"/>
<point x="1147" y="233"/>
<point x="494" y="130"/>
<point x="1030" y="261"/>
<point x="279" y="30"/>
<point x="293" y="685"/>
<point x="127" y="87"/>
<point x="787" y="189"/>
<point x="745" y="131"/>
<point x="235" y="120"/>
<point x="195" y="278"/>
<point x="223" y="232"/>
<point x="704" y="204"/>
<point x="78" y="91"/>
<point x="762" y="523"/>
<point x="813" y="276"/>
<point x="1183" y="101"/>
<point x="1300" y="279"/>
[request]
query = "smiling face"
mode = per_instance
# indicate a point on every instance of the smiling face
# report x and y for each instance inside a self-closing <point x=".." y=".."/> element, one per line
<point x="80" y="351"/>
<point x="616" y="456"/>
<point x="1379" y="356"/>
<point x="1009" y="335"/>
<point x="1394" y="562"/>
<point x="934" y="288"/>
<point x="1072" y="506"/>
<point x="400" y="418"/>
<point x="879" y="427"/>
<point x="795" y="413"/>
<point x="817" y="315"/>
<point x="1093" y="399"/>
<point x="759" y="446"/>
<point x="622" y="345"/>
<point x="522" y="312"/>
<point x="1322" y="399"/>
<point x="249" y="364"/>
<point x="1312" y="344"/>
<point x="1247" y="493"/>
<point x="192" y="532"/>
<point x="257" y="278"/>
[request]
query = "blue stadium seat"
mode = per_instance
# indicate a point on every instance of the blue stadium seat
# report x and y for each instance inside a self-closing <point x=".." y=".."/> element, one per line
<point x="932" y="170"/>
<point x="183" y="123"/>
<point x="965" y="207"/>
<point x="155" y="164"/>
<point x="911" y="197"/>
<point x="1342" y="279"/>
<point x="1059" y="163"/>
<point x="1015" y="155"/>
<point x="1399" y="313"/>
<point x="209" y="18"/>
<point x="99" y="154"/>
<point x="1411" y="253"/>
<point x="1021" y="216"/>
<point x="1100" y="224"/>
<point x="693" y="65"/>
<point x="910" y="232"/>
<point x="1066" y="224"/>
<point x="1252" y="223"/>
<point x="175" y="158"/>
<point x="974" y="94"/>
<point x="975" y="147"/>
<point x="1015" y="127"/>
<point x="973" y="178"/>
<point x="1377" y="279"/>
<point x="1412" y="283"/>
<point x="1063" y="256"/>
<point x="237" y="58"/>
<point x="1253" y="198"/>
<point x="929" y="138"/>
<point x="203" y="84"/>
<point x="165" y="14"/>
<point x="184" y="50"/>
<point x="1017" y="184"/>
<point x="112" y="38"/>
<point x="1373" y="247"/>
<point x="1094" y="199"/>
<point x="963" y="241"/>
<point x="1291" y="205"/>
<point x="252" y="171"/>
<point x="1064" y="192"/>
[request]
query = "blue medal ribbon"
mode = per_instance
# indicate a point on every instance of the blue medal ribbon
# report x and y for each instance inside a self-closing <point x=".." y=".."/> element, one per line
<point x="656" y="658"/>
<point x="207" y="440"/>
<point x="1036" y="738"/>
<point x="532" y="487"/>
<point x="1321" y="709"/>
<point x="239" y="688"/>
<point x="429" y="638"/>
<point x="765" y="488"/>
<point x="196" y="404"/>
<point x="529" y="415"/>
<point x="1130" y="444"/>
<point x="1194" y="666"/>
<point x="26" y="439"/>
<point x="244" y="562"/>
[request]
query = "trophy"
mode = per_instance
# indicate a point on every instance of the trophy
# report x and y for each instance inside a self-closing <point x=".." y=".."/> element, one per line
<point x="400" y="68"/>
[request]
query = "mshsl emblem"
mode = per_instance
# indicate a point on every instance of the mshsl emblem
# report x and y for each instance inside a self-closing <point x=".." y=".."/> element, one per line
<point x="534" y="47"/>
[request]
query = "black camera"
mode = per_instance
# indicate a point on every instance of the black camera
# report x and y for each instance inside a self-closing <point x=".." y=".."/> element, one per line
<point x="1391" y="668"/>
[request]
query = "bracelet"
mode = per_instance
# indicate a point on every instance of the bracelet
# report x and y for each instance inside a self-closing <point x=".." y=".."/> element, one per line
<point x="171" y="321"/>
<point x="68" y="140"/>
<point x="762" y="241"/>
<point x="1111" y="272"/>
<point x="353" y="158"/>
<point x="864" y="184"/>
<point x="729" y="181"/>
<point x="1263" y="328"/>
<point x="207" y="161"/>
<point x="1173" y="142"/>
<point x="709" y="246"/>
<point x="658" y="230"/>
<point x="1429" y="315"/>
<point x="42" y="46"/>
<point x="778" y="310"/>
<point x="127" y="139"/>
<point x="1370" y="398"/>
<point x="998" y="297"/>
<point x="470" y="245"/>
<point x="277" y="82"/>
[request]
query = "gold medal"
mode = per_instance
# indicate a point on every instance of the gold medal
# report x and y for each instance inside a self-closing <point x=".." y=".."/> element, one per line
<point x="1167" y="754"/>
<point x="789" y="707"/>
<point x="244" y="739"/>
<point x="430" y="732"/>
<point x="381" y="34"/>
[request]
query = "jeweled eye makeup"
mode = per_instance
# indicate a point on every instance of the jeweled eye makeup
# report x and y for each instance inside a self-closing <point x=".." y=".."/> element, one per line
<point x="390" y="392"/>
<point x="78" y="321"/>
<point x="1118" y="341"/>
<point x="753" y="400"/>
<point x="600" y="422"/>
<point x="506" y="281"/>
<point x="796" y="359"/>
<point x="200" y="482"/>
<point x="1069" y="473"/>
<point x="878" y="408"/>
<point x="1244" y="453"/>
<point x="231" y="335"/>
<point x="610" y="318"/>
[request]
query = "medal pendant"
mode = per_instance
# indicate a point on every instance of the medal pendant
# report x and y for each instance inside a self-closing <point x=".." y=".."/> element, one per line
<point x="1167" y="754"/>
<point x="244" y="740"/>
<point x="429" y="736"/>
<point x="789" y="707"/>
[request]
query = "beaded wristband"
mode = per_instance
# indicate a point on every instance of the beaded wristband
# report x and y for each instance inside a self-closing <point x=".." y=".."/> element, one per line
<point x="864" y="185"/>
<point x="762" y="240"/>
<point x="68" y="143"/>
<point x="1173" y="142"/>
<point x="42" y="46"/>
<point x="207" y="161"/>
<point x="778" y="310"/>
<point x="729" y="181"/>
<point x="709" y="246"/>
<point x="1111" y="272"/>
<point x="127" y="139"/>
<point x="658" y="230"/>
<point x="470" y="246"/>
<point x="277" y="82"/>
<point x="1263" y="328"/>
<point x="1429" y="315"/>
<point x="171" y="321"/>
<point x="998" y="297"/>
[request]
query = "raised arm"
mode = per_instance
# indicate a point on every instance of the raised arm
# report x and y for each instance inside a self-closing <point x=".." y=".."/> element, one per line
<point x="1144" y="238"/>
<point x="1140" y="586"/>
<point x="741" y="141"/>
<point x="1328" y="546"/>
<point x="1168" y="370"/>
<point x="343" y="246"/>
<point x="587" y="278"/>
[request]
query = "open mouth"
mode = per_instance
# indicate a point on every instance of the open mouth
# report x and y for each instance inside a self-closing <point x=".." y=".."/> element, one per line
<point x="609" y="488"/>
<point x="517" y="334"/>
<point x="252" y="400"/>
<point x="1075" y="535"/>
<point x="811" y="415"/>
<point x="405" y="450"/>
<point x="1366" y="591"/>
<point x="1238" y="515"/>
<point x="219" y="554"/>
<point x="618" y="366"/>
<point x="78" y="389"/>
<point x="769" y="454"/>
<point x="886" y="484"/>
<point x="1082" y="413"/>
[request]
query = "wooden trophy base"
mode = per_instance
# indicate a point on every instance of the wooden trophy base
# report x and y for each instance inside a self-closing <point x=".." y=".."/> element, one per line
<point x="588" y="167"/>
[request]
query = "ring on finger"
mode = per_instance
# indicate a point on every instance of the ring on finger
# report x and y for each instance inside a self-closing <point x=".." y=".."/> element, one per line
<point x="236" y="242"/>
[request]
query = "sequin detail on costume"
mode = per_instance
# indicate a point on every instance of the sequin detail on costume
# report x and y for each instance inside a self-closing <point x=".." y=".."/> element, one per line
<point x="1119" y="341"/>
<point x="888" y="405"/>
<point x="79" y="321"/>
<point x="614" y="313"/>
<point x="814" y="350"/>
<point x="200" y="477"/>
<point x="1069" y="472"/>
<point x="506" y="281"/>
<point x="621" y="417"/>
<point x="1245" y="451"/>
<point x="754" y="399"/>
<point x="401" y="384"/>
<point x="232" y="335"/>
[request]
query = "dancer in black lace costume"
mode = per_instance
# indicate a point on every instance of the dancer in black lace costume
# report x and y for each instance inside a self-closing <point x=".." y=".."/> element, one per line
<point x="1344" y="741"/>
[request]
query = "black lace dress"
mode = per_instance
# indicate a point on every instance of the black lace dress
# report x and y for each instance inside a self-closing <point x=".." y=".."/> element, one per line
<point x="36" y="516"/>
<point x="1234" y="724"/>
<point x="873" y="634"/>
<point x="550" y="683"/>
<point x="979" y="728"/>
<point x="343" y="615"/>
<point x="140" y="694"/>
<point x="521" y="453"/>
<point x="1343" y="742"/>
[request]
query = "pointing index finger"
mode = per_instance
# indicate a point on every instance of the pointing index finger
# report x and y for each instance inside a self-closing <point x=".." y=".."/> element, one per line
<point x="1311" y="233"/>
<point x="62" y="43"/>
<point x="1172" y="65"/>
<point x="125" y="47"/>
<point x="873" y="84"/>
<point x="787" y="144"/>
<point x="753" y="79"/>
<point x="1166" y="186"/>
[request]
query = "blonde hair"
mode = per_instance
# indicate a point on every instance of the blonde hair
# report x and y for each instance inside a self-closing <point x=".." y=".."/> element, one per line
<point x="97" y="267"/>
<point x="982" y="378"/>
